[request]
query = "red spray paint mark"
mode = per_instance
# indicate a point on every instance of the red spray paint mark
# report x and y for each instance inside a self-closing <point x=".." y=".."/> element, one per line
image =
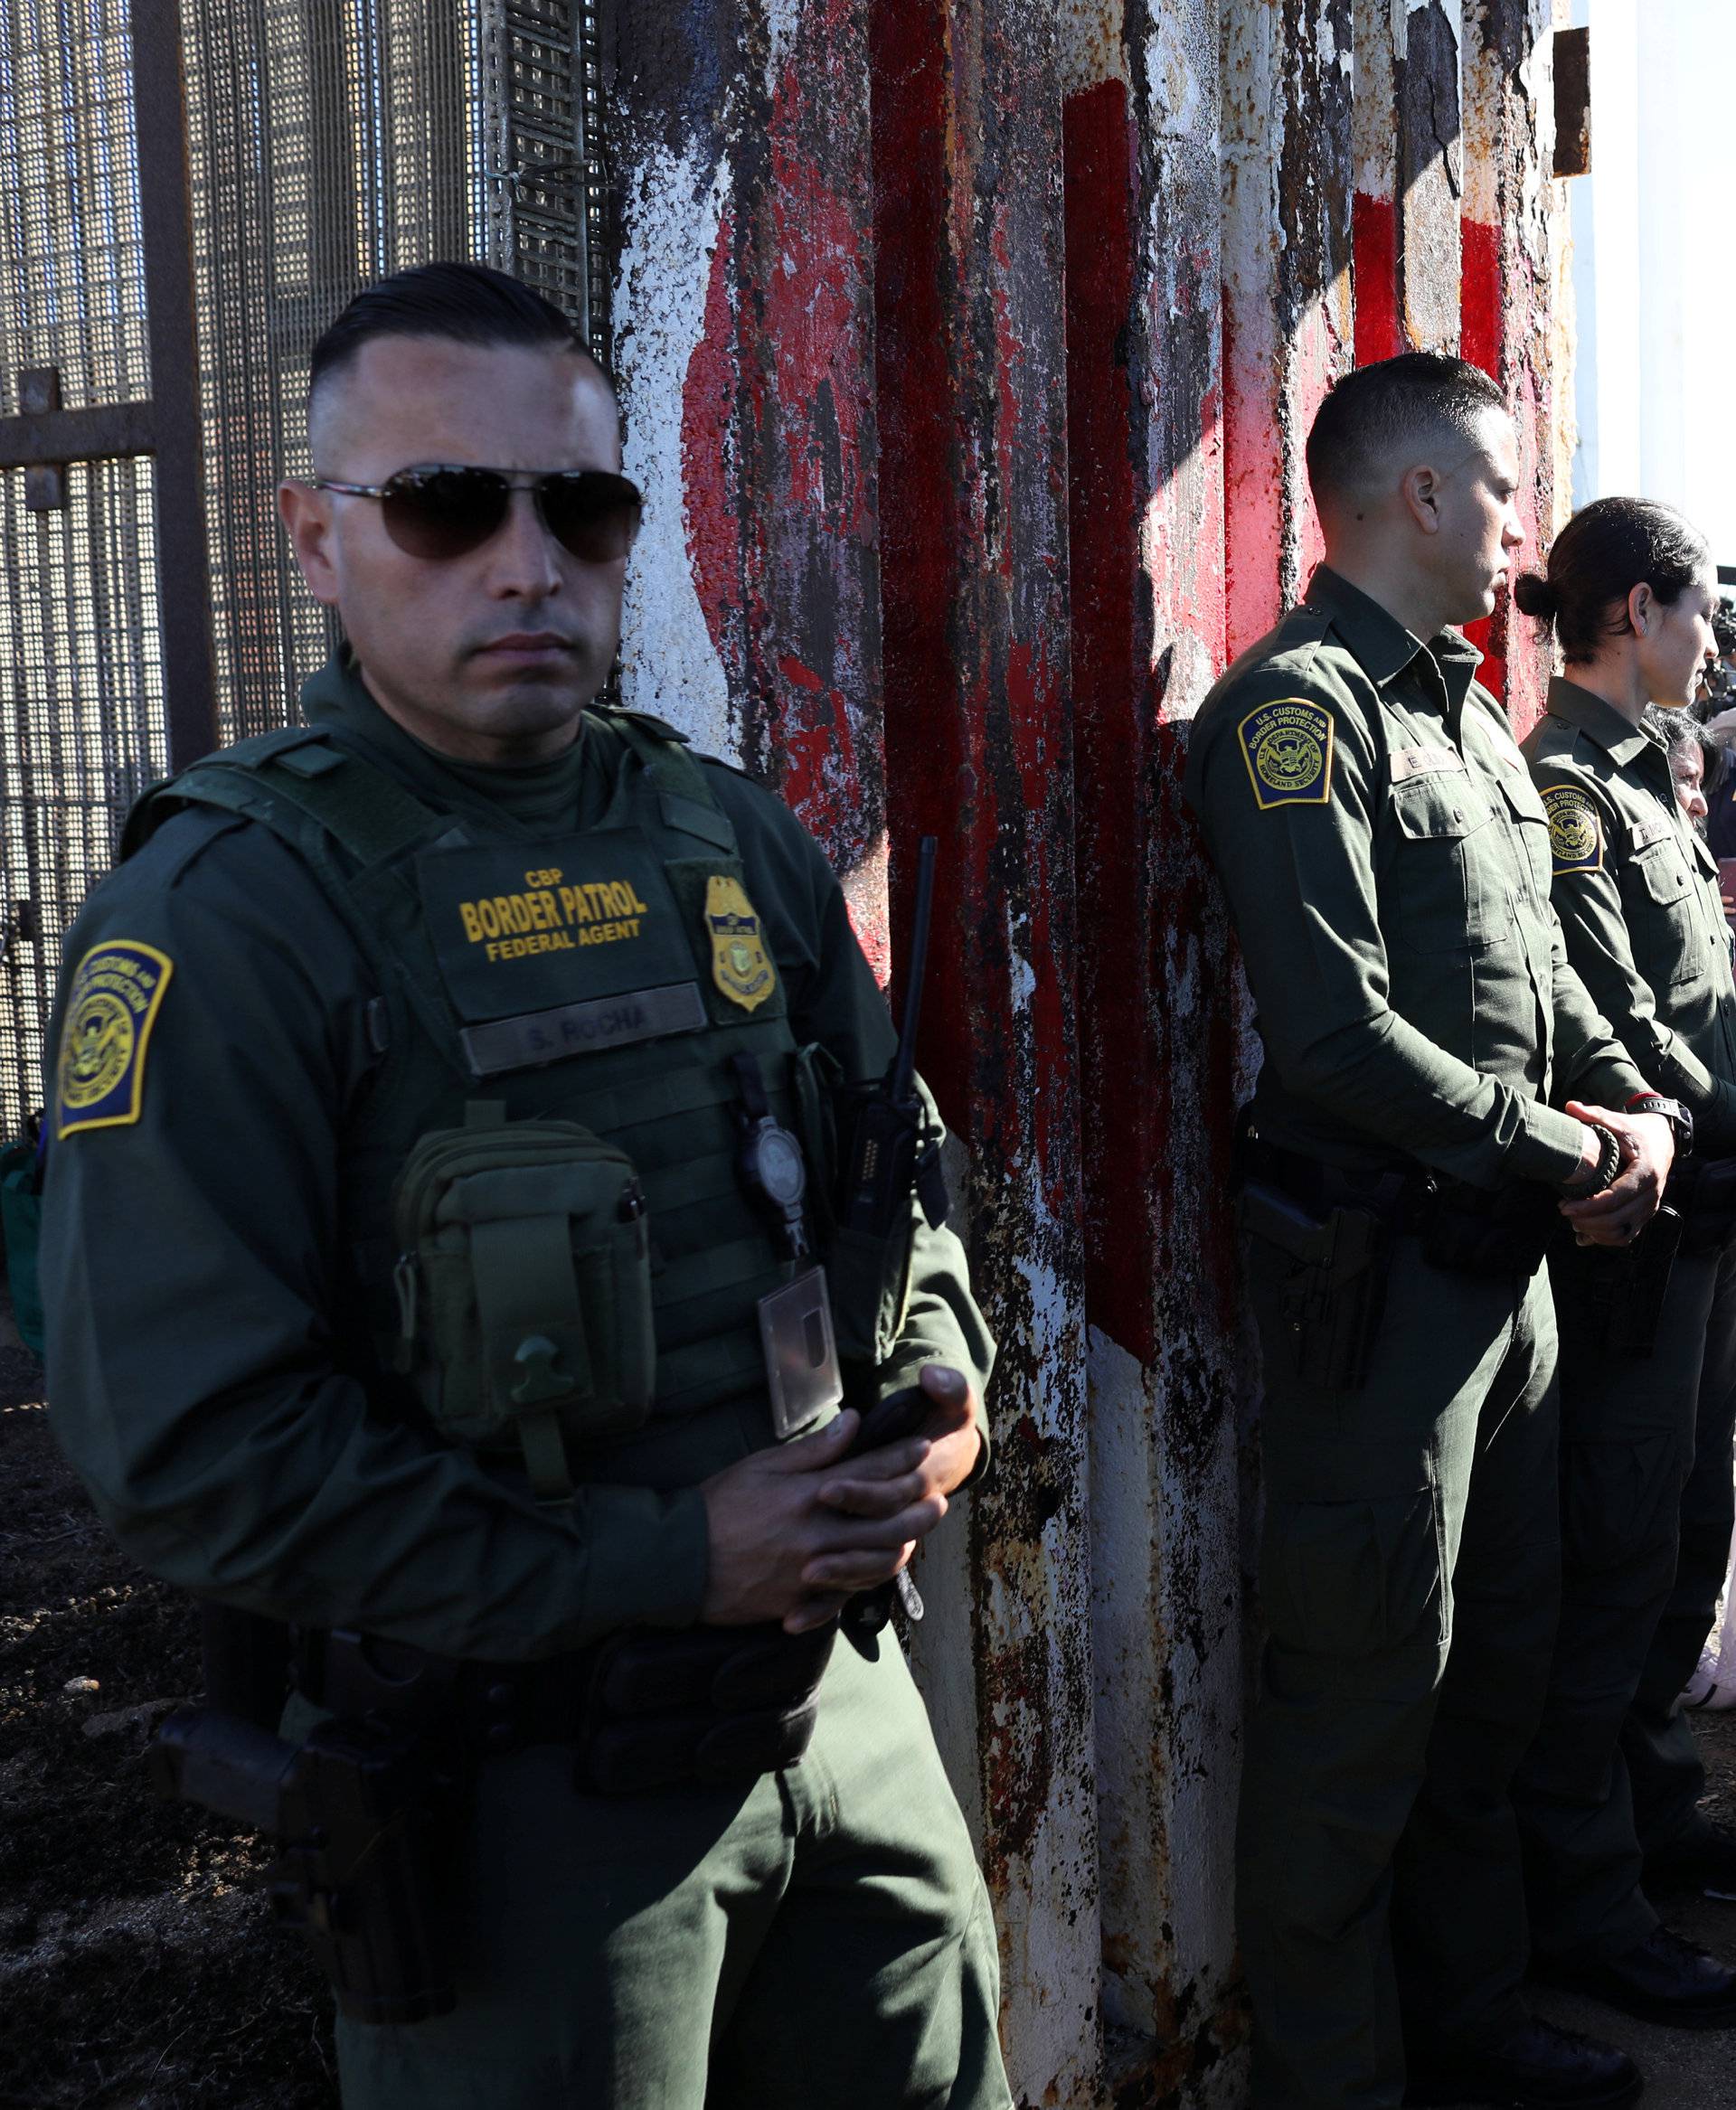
<point x="1374" y="235"/>
<point x="939" y="782"/>
<point x="1100" y="144"/>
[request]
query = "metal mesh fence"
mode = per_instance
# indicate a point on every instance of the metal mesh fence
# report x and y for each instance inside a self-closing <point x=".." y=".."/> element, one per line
<point x="329" y="142"/>
<point x="81" y="718"/>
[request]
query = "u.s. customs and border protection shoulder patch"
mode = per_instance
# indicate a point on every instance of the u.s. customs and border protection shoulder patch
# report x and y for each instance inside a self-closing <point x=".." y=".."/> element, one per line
<point x="1287" y="747"/>
<point x="741" y="965"/>
<point x="117" y="993"/>
<point x="1575" y="831"/>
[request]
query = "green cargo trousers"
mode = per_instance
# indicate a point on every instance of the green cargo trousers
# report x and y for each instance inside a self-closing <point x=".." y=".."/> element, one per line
<point x="1408" y="1575"/>
<point x="824" y="1936"/>
<point x="1627" y="1445"/>
<point x="1664" y="1763"/>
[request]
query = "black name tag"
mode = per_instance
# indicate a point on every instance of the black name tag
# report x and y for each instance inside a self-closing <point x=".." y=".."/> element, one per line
<point x="530" y="927"/>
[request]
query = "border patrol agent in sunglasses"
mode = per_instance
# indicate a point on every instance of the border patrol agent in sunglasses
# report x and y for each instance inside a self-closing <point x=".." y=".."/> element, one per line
<point x="418" y="1282"/>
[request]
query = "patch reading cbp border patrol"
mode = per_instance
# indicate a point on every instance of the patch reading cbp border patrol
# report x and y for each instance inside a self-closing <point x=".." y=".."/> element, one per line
<point x="1575" y="831"/>
<point x="1287" y="747"/>
<point x="741" y="965"/>
<point x="115" y="996"/>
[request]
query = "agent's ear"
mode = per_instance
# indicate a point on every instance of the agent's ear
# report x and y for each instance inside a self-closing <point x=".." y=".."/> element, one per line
<point x="1421" y="490"/>
<point x="306" y="514"/>
<point x="1641" y="609"/>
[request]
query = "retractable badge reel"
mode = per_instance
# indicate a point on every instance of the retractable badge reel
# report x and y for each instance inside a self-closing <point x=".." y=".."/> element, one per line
<point x="802" y="1374"/>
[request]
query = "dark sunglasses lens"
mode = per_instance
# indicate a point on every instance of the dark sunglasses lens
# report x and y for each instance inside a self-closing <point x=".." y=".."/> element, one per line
<point x="591" y="513"/>
<point x="444" y="512"/>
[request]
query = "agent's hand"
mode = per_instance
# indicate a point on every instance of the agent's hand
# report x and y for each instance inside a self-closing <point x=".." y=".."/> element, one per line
<point x="1618" y="1214"/>
<point x="936" y="1461"/>
<point x="768" y="1528"/>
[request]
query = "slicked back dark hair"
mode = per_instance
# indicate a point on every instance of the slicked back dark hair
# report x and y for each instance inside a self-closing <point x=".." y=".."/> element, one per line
<point x="1376" y="410"/>
<point x="1606" y="550"/>
<point x="466" y="303"/>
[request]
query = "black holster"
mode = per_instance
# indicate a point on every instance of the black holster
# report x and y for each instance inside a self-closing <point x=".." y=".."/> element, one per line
<point x="1335" y="1295"/>
<point x="358" y="1813"/>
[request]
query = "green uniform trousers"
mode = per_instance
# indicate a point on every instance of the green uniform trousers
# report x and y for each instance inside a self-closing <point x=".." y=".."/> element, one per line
<point x="1663" y="1761"/>
<point x="822" y="1937"/>
<point x="1627" y="1445"/>
<point x="1409" y="1575"/>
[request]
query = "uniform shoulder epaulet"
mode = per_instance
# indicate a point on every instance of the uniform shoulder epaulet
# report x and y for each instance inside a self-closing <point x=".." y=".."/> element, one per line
<point x="658" y="728"/>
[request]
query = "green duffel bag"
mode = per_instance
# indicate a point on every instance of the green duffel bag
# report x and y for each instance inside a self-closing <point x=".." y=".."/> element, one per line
<point x="21" y="1224"/>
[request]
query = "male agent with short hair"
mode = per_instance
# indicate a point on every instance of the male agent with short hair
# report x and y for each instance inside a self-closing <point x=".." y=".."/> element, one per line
<point x="1436" y="1086"/>
<point x="430" y="1269"/>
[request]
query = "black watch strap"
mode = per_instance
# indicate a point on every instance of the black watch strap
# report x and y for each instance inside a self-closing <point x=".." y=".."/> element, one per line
<point x="1680" y="1117"/>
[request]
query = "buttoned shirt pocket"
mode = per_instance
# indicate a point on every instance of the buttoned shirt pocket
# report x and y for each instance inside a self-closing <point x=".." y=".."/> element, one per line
<point x="1450" y="871"/>
<point x="1531" y="824"/>
<point x="1661" y="915"/>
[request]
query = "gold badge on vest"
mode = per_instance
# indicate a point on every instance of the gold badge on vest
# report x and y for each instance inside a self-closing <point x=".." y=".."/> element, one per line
<point x="741" y="965"/>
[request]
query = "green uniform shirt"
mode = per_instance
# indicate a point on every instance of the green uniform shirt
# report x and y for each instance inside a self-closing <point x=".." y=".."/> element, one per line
<point x="1636" y="891"/>
<point x="1386" y="861"/>
<point x="200" y="1373"/>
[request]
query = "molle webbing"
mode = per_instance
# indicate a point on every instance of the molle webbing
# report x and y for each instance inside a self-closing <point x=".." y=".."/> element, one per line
<point x="670" y="1104"/>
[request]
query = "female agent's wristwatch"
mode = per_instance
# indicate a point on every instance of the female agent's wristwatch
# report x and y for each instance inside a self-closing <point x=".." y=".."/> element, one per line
<point x="1680" y="1118"/>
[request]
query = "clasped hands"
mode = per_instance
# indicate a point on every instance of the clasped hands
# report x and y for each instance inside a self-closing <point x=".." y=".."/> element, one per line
<point x="795" y="1531"/>
<point x="1619" y="1212"/>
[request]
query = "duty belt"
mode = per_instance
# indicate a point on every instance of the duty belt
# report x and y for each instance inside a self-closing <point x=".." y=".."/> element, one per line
<point x="1469" y="1230"/>
<point x="644" y="1711"/>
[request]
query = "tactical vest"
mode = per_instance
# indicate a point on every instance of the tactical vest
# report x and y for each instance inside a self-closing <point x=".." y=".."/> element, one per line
<point x="610" y="979"/>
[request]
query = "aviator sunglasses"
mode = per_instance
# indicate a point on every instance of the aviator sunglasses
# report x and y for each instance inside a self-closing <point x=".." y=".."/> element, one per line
<point x="440" y="510"/>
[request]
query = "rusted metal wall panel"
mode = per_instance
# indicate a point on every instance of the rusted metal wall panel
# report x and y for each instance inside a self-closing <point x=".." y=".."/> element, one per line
<point x="1509" y="228"/>
<point x="1409" y="176"/>
<point x="973" y="483"/>
<point x="1162" y="1063"/>
<point x="968" y="351"/>
<point x="1287" y="74"/>
<point x="744" y="342"/>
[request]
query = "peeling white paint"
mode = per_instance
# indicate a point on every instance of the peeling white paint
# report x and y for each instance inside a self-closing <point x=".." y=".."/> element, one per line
<point x="670" y="231"/>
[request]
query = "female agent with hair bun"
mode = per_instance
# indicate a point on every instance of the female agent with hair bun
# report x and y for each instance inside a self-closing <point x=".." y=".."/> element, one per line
<point x="1609" y="1790"/>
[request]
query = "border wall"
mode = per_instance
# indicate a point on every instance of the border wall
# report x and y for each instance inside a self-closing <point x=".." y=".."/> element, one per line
<point x="967" y="349"/>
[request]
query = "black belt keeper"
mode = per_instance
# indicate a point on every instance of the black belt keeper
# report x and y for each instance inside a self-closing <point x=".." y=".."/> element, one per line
<point x="644" y="1711"/>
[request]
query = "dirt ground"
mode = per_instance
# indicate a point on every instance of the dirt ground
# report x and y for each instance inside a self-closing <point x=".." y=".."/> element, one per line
<point x="139" y="1966"/>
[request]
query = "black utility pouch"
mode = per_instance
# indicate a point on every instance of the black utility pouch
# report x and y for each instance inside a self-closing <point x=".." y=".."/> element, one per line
<point x="1625" y="1288"/>
<point x="709" y="1706"/>
<point x="1335" y="1296"/>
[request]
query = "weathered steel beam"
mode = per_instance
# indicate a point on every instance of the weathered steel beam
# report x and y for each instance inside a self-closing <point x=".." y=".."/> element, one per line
<point x="1508" y="291"/>
<point x="745" y="351"/>
<point x="1409" y="177"/>
<point x="166" y="232"/>
<point x="100" y="431"/>
<point x="1286" y="213"/>
<point x="973" y="489"/>
<point x="1163" y="1056"/>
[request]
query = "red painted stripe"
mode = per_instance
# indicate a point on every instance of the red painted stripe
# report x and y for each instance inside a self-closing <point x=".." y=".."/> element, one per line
<point x="1373" y="236"/>
<point x="1111" y="717"/>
